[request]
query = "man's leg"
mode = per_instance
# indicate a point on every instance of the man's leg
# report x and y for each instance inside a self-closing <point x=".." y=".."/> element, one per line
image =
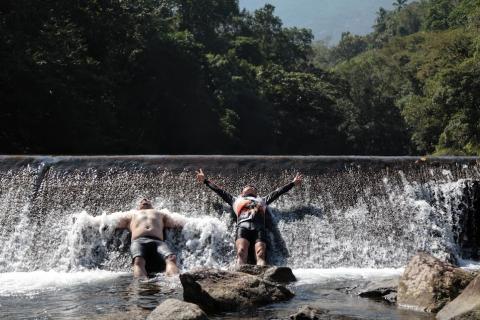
<point x="166" y="253"/>
<point x="260" y="252"/>
<point x="242" y="250"/>
<point x="139" y="268"/>
<point x="171" y="268"/>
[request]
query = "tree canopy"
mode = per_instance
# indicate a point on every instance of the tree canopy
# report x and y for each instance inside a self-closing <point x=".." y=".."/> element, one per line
<point x="184" y="76"/>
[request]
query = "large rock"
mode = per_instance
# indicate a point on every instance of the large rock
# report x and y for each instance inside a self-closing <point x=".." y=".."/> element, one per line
<point x="269" y="273"/>
<point x="428" y="283"/>
<point x="465" y="306"/>
<point x="218" y="290"/>
<point x="178" y="310"/>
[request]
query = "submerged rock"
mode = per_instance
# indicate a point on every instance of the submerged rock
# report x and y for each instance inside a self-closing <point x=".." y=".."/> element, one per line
<point x="218" y="290"/>
<point x="134" y="314"/>
<point x="307" y="313"/>
<point x="428" y="283"/>
<point x="384" y="290"/>
<point x="310" y="313"/>
<point x="178" y="310"/>
<point x="269" y="273"/>
<point x="391" y="297"/>
<point x="381" y="290"/>
<point x="465" y="306"/>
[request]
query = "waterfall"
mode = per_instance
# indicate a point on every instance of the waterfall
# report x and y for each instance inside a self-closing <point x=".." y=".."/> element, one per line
<point x="349" y="212"/>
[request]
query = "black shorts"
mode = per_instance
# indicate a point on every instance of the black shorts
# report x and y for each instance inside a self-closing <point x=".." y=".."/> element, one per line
<point x="153" y="250"/>
<point x="253" y="236"/>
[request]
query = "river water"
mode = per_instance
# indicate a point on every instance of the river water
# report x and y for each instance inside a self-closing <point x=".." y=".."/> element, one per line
<point x="110" y="295"/>
<point x="355" y="219"/>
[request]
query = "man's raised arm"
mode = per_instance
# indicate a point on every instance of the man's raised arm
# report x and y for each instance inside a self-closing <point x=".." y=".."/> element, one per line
<point x="227" y="197"/>
<point x="172" y="220"/>
<point x="278" y="192"/>
<point x="117" y="220"/>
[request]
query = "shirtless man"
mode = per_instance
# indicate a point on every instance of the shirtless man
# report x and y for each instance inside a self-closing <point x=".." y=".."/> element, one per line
<point x="250" y="210"/>
<point x="148" y="249"/>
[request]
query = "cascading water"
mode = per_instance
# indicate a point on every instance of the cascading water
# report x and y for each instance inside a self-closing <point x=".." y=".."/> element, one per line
<point x="350" y="212"/>
<point x="355" y="216"/>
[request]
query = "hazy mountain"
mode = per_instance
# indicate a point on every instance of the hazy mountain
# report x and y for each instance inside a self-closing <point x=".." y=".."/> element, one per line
<point x="326" y="18"/>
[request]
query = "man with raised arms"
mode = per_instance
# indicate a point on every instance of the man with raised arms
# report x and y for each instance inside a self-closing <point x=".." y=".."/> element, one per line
<point x="250" y="210"/>
<point x="148" y="249"/>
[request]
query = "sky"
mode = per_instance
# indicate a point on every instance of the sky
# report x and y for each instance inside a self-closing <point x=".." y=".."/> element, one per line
<point x="327" y="18"/>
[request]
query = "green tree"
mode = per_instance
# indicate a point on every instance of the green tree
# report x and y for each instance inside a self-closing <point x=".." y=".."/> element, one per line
<point x="376" y="125"/>
<point x="349" y="47"/>
<point x="438" y="13"/>
<point x="400" y="4"/>
<point x="308" y="119"/>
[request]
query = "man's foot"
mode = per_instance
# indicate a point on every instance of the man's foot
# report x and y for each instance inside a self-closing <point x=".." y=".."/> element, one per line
<point x="147" y="280"/>
<point x="139" y="270"/>
<point x="172" y="271"/>
<point x="171" y="266"/>
<point x="261" y="262"/>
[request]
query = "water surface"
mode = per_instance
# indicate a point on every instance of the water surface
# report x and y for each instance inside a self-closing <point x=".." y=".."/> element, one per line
<point x="114" y="295"/>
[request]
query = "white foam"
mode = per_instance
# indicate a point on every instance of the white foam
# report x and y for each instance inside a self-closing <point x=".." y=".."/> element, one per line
<point x="314" y="276"/>
<point x="469" y="264"/>
<point x="207" y="243"/>
<point x="30" y="283"/>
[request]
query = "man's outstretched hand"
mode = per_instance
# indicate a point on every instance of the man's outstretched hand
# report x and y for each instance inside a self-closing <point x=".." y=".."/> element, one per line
<point x="200" y="176"/>
<point x="298" y="179"/>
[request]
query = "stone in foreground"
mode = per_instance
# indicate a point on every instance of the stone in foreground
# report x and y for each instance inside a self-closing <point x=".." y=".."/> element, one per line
<point x="269" y="273"/>
<point x="380" y="290"/>
<point x="465" y="306"/>
<point x="310" y="313"/>
<point x="178" y="310"/>
<point x="218" y="290"/>
<point x="428" y="283"/>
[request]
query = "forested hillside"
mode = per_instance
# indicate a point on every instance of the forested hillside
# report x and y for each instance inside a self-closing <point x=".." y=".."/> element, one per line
<point x="327" y="18"/>
<point x="416" y="79"/>
<point x="185" y="76"/>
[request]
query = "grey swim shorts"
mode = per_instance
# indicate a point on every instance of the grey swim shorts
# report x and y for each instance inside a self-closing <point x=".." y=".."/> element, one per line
<point x="153" y="250"/>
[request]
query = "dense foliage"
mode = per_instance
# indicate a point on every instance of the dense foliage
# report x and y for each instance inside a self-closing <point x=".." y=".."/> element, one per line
<point x="186" y="76"/>
<point x="415" y="80"/>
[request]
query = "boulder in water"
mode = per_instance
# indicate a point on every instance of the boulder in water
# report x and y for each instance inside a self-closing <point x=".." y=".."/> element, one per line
<point x="269" y="273"/>
<point x="178" y="310"/>
<point x="465" y="306"/>
<point x="428" y="283"/>
<point x="218" y="290"/>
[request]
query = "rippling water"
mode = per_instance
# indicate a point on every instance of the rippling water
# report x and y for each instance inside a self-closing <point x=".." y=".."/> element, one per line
<point x="113" y="295"/>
